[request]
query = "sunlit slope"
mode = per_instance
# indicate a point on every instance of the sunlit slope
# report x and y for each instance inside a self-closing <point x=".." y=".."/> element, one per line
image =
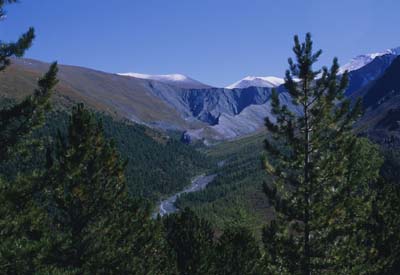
<point x="111" y="93"/>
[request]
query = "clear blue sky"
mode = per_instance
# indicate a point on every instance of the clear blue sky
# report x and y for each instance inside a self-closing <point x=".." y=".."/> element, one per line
<point x="215" y="41"/>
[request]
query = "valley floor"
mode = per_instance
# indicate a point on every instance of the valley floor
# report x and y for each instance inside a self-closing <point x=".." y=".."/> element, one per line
<point x="235" y="197"/>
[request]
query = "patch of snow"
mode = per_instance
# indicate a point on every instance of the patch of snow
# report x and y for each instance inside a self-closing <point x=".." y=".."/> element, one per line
<point x="257" y="81"/>
<point x="362" y="60"/>
<point x="173" y="79"/>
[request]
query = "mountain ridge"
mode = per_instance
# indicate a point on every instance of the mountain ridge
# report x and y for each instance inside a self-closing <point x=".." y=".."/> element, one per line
<point x="200" y="113"/>
<point x="178" y="80"/>
<point x="257" y="81"/>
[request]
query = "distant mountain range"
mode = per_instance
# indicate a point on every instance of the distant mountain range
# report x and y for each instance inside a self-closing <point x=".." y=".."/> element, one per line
<point x="183" y="81"/>
<point x="199" y="111"/>
<point x="178" y="80"/>
<point x="363" y="60"/>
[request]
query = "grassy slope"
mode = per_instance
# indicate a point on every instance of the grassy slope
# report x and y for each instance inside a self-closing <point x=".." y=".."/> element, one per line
<point x="116" y="95"/>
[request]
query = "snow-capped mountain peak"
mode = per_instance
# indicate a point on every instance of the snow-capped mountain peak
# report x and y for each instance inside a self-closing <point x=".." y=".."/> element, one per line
<point x="178" y="80"/>
<point x="362" y="60"/>
<point x="257" y="81"/>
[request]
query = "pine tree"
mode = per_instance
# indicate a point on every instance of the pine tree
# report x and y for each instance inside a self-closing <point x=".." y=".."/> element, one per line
<point x="237" y="253"/>
<point x="18" y="48"/>
<point x="18" y="121"/>
<point x="20" y="215"/>
<point x="321" y="172"/>
<point x="95" y="227"/>
<point x="383" y="235"/>
<point x="192" y="240"/>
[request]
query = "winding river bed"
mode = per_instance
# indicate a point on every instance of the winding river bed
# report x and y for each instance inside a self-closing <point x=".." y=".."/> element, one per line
<point x="167" y="206"/>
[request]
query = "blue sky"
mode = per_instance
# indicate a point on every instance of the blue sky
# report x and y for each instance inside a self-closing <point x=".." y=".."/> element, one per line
<point x="215" y="41"/>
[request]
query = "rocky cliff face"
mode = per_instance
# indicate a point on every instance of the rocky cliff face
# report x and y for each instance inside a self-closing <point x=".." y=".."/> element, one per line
<point x="208" y="105"/>
<point x="228" y="113"/>
<point x="237" y="112"/>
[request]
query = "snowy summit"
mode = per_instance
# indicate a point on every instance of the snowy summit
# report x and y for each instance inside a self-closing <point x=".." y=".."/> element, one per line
<point x="178" y="80"/>
<point x="362" y="60"/>
<point x="257" y="81"/>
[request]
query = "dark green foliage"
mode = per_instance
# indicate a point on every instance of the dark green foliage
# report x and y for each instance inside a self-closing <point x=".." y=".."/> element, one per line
<point x="382" y="236"/>
<point x="94" y="227"/>
<point x="21" y="219"/>
<point x="235" y="171"/>
<point x="391" y="167"/>
<point x="157" y="164"/>
<point x="237" y="253"/>
<point x="322" y="174"/>
<point x="192" y="240"/>
<point x="21" y="225"/>
<point x="234" y="197"/>
<point x="18" y="121"/>
<point x="68" y="210"/>
<point x="18" y="48"/>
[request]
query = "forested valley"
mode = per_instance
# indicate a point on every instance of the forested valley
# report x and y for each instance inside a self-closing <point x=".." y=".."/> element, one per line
<point x="79" y="188"/>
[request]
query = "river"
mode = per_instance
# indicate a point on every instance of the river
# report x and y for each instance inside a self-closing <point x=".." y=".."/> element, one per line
<point x="167" y="206"/>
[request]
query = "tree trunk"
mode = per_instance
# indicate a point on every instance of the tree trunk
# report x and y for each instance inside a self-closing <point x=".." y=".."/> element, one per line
<point x="306" y="264"/>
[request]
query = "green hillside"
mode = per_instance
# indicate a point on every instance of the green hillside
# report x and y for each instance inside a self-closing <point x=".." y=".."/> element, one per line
<point x="157" y="164"/>
<point x="235" y="197"/>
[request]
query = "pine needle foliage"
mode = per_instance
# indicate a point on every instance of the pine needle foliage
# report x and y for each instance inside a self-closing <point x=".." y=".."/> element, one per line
<point x="321" y="172"/>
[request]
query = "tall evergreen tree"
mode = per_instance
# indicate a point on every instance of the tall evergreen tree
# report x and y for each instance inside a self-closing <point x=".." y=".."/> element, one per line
<point x="20" y="215"/>
<point x="192" y="240"/>
<point x="95" y="228"/>
<point x="237" y="253"/>
<point x="18" y="121"/>
<point x="321" y="172"/>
